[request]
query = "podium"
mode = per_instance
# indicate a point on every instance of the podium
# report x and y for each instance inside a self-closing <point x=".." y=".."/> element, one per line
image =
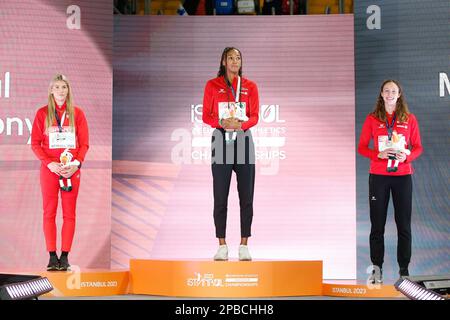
<point x="355" y="289"/>
<point x="218" y="279"/>
<point x="209" y="279"/>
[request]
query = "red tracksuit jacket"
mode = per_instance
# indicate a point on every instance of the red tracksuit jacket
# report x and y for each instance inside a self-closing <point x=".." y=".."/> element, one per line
<point x="40" y="140"/>
<point x="216" y="90"/>
<point x="373" y="128"/>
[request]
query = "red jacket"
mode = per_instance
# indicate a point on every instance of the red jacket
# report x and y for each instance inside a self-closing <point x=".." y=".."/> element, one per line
<point x="216" y="90"/>
<point x="373" y="128"/>
<point x="40" y="140"/>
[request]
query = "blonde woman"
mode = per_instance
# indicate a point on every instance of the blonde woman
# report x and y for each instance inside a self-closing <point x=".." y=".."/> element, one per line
<point x="60" y="140"/>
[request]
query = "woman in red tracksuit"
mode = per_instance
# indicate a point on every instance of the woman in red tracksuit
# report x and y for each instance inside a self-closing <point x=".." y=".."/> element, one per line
<point x="396" y="141"/>
<point x="231" y="106"/>
<point x="59" y="128"/>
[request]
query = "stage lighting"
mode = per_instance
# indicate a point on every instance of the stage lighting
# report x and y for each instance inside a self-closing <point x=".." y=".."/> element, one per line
<point x="414" y="291"/>
<point x="23" y="287"/>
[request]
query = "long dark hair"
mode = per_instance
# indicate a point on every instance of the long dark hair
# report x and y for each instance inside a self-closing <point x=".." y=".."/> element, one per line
<point x="222" y="69"/>
<point x="401" y="109"/>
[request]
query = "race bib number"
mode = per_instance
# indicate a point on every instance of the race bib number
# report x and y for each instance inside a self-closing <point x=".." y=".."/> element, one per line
<point x="232" y="110"/>
<point x="384" y="143"/>
<point x="64" y="140"/>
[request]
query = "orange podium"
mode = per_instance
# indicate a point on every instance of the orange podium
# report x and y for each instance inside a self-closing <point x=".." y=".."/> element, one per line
<point x="87" y="282"/>
<point x="351" y="288"/>
<point x="205" y="278"/>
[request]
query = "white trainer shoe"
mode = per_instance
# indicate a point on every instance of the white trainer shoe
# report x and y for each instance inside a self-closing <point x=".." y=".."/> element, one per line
<point x="222" y="253"/>
<point x="377" y="276"/>
<point x="244" y="254"/>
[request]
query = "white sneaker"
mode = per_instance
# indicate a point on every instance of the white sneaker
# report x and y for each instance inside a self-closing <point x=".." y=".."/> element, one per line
<point x="244" y="254"/>
<point x="222" y="253"/>
<point x="377" y="276"/>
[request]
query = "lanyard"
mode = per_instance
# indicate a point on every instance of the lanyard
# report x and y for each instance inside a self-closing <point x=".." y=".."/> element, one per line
<point x="236" y="96"/>
<point x="236" y="99"/>
<point x="390" y="128"/>
<point x="60" y="122"/>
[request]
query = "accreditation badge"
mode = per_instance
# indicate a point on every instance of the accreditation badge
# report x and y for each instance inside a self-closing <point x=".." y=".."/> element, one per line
<point x="232" y="110"/>
<point x="240" y="111"/>
<point x="225" y="111"/>
<point x="63" y="140"/>
<point x="384" y="143"/>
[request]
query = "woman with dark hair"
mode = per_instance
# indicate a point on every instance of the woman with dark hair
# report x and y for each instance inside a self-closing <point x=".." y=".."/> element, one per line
<point x="231" y="106"/>
<point x="60" y="139"/>
<point x="396" y="137"/>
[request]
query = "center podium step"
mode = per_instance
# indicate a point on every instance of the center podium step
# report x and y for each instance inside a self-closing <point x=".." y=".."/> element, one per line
<point x="205" y="278"/>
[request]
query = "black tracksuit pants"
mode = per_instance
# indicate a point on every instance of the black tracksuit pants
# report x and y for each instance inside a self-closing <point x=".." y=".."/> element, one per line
<point x="380" y="188"/>
<point x="237" y="156"/>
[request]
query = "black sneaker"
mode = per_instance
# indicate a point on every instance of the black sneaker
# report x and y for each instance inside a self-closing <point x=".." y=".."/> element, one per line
<point x="64" y="263"/>
<point x="53" y="264"/>
<point x="404" y="272"/>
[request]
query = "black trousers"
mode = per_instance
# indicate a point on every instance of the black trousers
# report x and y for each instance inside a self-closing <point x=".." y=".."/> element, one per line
<point x="237" y="156"/>
<point x="380" y="188"/>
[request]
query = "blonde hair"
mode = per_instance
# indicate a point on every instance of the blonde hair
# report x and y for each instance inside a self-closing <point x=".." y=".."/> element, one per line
<point x="51" y="104"/>
<point x="401" y="108"/>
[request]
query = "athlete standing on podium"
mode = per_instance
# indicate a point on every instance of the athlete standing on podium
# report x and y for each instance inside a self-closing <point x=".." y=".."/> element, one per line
<point x="231" y="106"/>
<point x="396" y="140"/>
<point x="60" y="139"/>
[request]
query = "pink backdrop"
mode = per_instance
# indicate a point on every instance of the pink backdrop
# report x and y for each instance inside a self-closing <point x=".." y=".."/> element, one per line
<point x="304" y="207"/>
<point x="37" y="43"/>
